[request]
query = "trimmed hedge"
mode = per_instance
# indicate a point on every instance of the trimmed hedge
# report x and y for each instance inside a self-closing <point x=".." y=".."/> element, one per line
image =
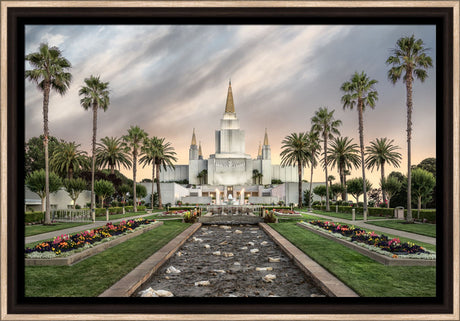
<point x="34" y="217"/>
<point x="429" y="215"/>
<point x="118" y="210"/>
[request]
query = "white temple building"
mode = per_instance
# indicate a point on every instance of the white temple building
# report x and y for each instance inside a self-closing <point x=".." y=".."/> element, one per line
<point x="230" y="173"/>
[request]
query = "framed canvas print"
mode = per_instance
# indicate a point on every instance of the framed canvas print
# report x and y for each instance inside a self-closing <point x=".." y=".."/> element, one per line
<point x="229" y="160"/>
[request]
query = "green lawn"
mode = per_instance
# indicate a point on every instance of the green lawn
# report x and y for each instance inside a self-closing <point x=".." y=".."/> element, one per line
<point x="365" y="276"/>
<point x="128" y="214"/>
<point x="348" y="216"/>
<point x="31" y="230"/>
<point x="422" y="228"/>
<point x="92" y="276"/>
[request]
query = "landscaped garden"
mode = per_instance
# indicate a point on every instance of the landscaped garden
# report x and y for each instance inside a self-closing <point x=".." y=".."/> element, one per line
<point x="93" y="275"/>
<point x="362" y="274"/>
<point x="418" y="228"/>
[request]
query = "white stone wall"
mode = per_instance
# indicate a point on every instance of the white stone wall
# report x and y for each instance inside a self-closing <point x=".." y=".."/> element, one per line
<point x="233" y="171"/>
<point x="195" y="167"/>
<point x="285" y="174"/>
<point x="263" y="200"/>
<point x="170" y="192"/>
<point x="170" y="175"/>
<point x="61" y="199"/>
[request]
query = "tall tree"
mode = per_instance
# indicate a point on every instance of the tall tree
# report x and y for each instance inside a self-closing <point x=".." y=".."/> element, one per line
<point x="166" y="157"/>
<point x="50" y="72"/>
<point x="355" y="187"/>
<point x="149" y="153"/>
<point x="315" y="148"/>
<point x="360" y="92"/>
<point x="67" y="159"/>
<point x="74" y="186"/>
<point x="34" y="153"/>
<point x="423" y="183"/>
<point x="324" y="122"/>
<point x="36" y="182"/>
<point x="409" y="58"/>
<point x="343" y="153"/>
<point x="103" y="189"/>
<point x="295" y="151"/>
<point x="391" y="185"/>
<point x="380" y="152"/>
<point x="134" y="140"/>
<point x="110" y="152"/>
<point x="95" y="95"/>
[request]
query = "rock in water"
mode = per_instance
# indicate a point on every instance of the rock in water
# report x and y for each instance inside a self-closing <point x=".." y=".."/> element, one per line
<point x="202" y="283"/>
<point x="274" y="259"/>
<point x="172" y="270"/>
<point x="238" y="232"/>
<point x="244" y="248"/>
<point x="269" y="277"/>
<point x="268" y="268"/>
<point x="264" y="243"/>
<point x="149" y="293"/>
<point x="207" y="246"/>
<point x="227" y="254"/>
<point x="253" y="251"/>
<point x="216" y="253"/>
<point x="163" y="293"/>
<point x="179" y="253"/>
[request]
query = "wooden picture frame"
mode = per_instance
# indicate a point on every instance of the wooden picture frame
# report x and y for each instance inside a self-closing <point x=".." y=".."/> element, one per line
<point x="15" y="14"/>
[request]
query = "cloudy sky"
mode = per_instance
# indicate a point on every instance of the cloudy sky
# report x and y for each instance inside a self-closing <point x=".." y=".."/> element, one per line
<point x="169" y="79"/>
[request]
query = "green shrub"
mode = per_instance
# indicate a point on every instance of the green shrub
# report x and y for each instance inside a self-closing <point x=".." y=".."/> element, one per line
<point x="34" y="217"/>
<point x="270" y="217"/>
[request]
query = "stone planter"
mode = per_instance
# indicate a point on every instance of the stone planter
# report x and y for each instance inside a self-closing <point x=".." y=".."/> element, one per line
<point x="386" y="260"/>
<point x="77" y="257"/>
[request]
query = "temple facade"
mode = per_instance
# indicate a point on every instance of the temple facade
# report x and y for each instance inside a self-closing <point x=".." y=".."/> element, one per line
<point x="230" y="165"/>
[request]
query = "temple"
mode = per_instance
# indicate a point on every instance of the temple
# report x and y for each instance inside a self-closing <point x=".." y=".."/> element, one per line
<point x="230" y="169"/>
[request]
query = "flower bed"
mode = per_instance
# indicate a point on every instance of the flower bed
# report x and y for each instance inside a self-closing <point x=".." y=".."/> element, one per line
<point x="286" y="213"/>
<point x="179" y="212"/>
<point x="63" y="244"/>
<point x="370" y="241"/>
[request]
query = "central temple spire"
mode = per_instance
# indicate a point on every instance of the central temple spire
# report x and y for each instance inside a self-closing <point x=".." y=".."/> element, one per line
<point x="229" y="106"/>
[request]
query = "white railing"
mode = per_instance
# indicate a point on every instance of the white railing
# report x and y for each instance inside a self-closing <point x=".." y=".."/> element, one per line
<point x="70" y="215"/>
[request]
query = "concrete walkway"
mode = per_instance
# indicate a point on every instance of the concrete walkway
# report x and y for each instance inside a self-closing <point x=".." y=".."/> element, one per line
<point x="70" y="230"/>
<point x="360" y="223"/>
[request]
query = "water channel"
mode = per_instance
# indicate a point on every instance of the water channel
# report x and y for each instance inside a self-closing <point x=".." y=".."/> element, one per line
<point x="231" y="261"/>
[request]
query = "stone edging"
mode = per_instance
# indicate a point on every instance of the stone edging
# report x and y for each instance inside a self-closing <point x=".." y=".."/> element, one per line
<point x="332" y="286"/>
<point x="134" y="279"/>
<point x="77" y="257"/>
<point x="288" y="215"/>
<point x="380" y="258"/>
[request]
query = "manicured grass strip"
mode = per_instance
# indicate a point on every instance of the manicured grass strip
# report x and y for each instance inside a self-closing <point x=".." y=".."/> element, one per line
<point x="31" y="230"/>
<point x="91" y="277"/>
<point x="422" y="228"/>
<point x="365" y="276"/>
<point x="117" y="216"/>
<point x="348" y="216"/>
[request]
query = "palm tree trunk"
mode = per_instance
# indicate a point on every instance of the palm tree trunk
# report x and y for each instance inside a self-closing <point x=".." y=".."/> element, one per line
<point x="361" y="142"/>
<point x="299" y="168"/>
<point x="419" y="206"/>
<point x="70" y="173"/>
<point x="46" y="95"/>
<point x="382" y="178"/>
<point x="409" y="134"/>
<point x="160" y="204"/>
<point x="112" y="169"/>
<point x="134" y="179"/>
<point x="93" y="162"/>
<point x="311" y="185"/>
<point x="325" y="166"/>
<point x="153" y="181"/>
<point x="342" y="181"/>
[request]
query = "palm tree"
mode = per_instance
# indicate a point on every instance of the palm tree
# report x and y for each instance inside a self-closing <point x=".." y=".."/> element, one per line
<point x="95" y="95"/>
<point x="343" y="153"/>
<point x="379" y="152"/>
<point x="255" y="175"/>
<point x="315" y="148"/>
<point x="136" y="136"/>
<point x="330" y="179"/>
<point x="149" y="152"/>
<point x="165" y="158"/>
<point x="409" y="56"/>
<point x="51" y="71"/>
<point x="326" y="125"/>
<point x="68" y="159"/>
<point x="295" y="151"/>
<point x="360" y="91"/>
<point x="111" y="153"/>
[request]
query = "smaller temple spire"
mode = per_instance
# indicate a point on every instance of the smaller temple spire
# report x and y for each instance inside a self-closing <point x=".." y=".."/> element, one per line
<point x="229" y="106"/>
<point x="200" y="153"/>
<point x="193" y="138"/>
<point x="259" y="153"/>
<point x="266" y="138"/>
